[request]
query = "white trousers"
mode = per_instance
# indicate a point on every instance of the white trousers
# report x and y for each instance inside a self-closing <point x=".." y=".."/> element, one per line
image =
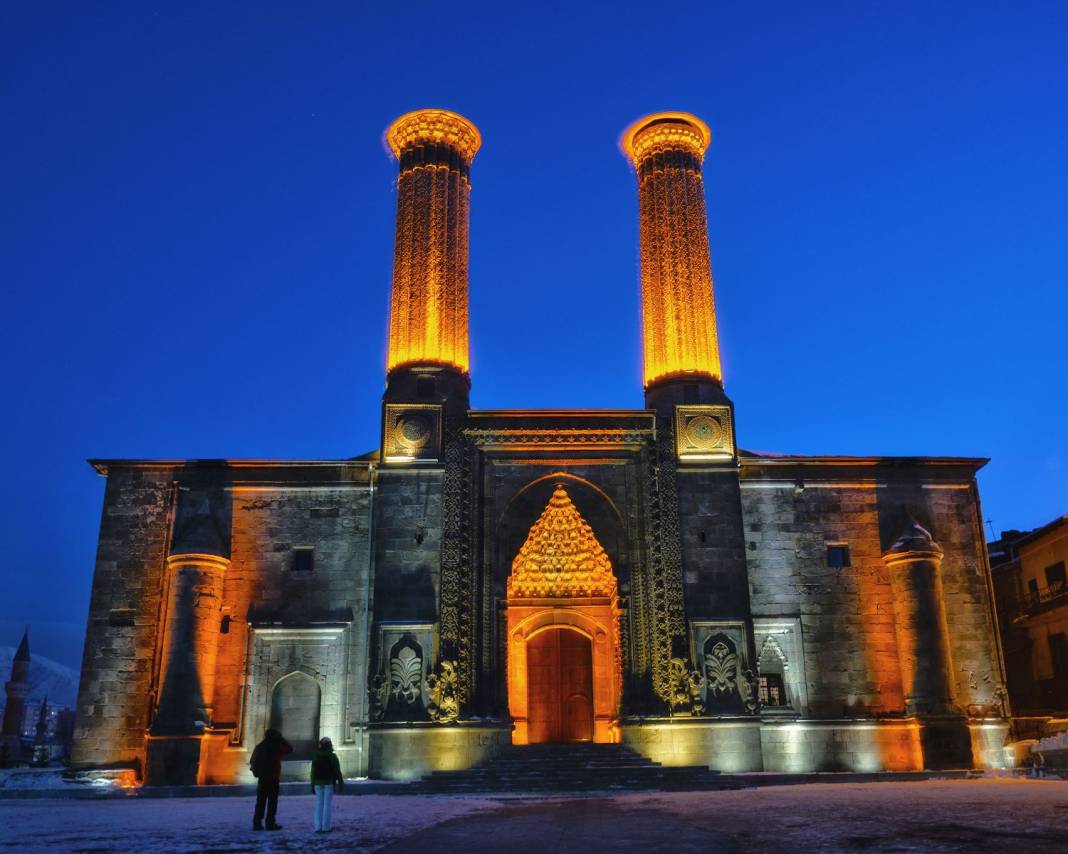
<point x="323" y="796"/>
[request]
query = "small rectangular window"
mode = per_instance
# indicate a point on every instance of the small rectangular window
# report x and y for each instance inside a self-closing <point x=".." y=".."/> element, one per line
<point x="838" y="555"/>
<point x="1055" y="575"/>
<point x="1032" y="586"/>
<point x="303" y="558"/>
<point x="121" y="617"/>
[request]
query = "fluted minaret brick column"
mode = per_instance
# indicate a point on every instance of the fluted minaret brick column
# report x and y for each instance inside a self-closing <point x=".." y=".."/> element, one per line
<point x="915" y="563"/>
<point x="678" y="312"/>
<point x="428" y="311"/>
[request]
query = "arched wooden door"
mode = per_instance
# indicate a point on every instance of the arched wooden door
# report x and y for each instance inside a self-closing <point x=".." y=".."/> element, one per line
<point x="560" y="686"/>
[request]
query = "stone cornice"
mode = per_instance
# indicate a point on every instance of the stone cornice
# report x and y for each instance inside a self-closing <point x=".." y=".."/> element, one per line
<point x="434" y="127"/>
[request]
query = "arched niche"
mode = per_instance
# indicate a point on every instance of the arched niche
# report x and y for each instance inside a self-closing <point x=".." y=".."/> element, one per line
<point x="295" y="703"/>
<point x="772" y="668"/>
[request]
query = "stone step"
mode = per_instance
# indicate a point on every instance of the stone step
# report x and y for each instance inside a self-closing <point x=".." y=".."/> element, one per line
<point x="568" y="768"/>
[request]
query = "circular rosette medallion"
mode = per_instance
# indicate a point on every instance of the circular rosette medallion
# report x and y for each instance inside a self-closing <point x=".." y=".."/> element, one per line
<point x="704" y="433"/>
<point x="413" y="430"/>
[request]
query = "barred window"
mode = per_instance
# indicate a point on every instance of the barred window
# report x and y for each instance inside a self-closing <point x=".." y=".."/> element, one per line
<point x="771" y="690"/>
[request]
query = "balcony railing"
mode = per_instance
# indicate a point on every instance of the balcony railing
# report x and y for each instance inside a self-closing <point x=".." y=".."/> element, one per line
<point x="1043" y="599"/>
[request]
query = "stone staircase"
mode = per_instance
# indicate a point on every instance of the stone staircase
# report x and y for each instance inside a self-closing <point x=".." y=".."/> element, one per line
<point x="571" y="768"/>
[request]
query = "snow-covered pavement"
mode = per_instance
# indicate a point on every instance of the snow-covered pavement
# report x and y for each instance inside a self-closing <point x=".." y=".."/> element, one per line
<point x="988" y="815"/>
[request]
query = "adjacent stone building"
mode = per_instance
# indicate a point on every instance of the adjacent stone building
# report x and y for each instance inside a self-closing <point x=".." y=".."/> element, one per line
<point x="1032" y="602"/>
<point x="489" y="576"/>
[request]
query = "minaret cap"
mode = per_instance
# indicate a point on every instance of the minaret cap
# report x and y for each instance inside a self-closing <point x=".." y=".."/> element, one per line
<point x="434" y="127"/>
<point x="665" y="131"/>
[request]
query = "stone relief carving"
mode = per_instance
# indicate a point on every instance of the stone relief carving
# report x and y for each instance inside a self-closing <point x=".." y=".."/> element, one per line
<point x="687" y="686"/>
<point x="679" y="673"/>
<point x="666" y="614"/>
<point x="412" y="431"/>
<point x="772" y="647"/>
<point x="444" y="706"/>
<point x="721" y="666"/>
<point x="456" y="609"/>
<point x="405" y="675"/>
<point x="378" y="693"/>
<point x="704" y="432"/>
<point x="747" y="690"/>
<point x="697" y="683"/>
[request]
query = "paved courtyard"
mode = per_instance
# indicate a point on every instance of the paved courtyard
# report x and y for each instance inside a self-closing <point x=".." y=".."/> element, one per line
<point x="988" y="815"/>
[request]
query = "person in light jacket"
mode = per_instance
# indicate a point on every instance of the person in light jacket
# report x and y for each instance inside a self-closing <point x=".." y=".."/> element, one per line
<point x="325" y="778"/>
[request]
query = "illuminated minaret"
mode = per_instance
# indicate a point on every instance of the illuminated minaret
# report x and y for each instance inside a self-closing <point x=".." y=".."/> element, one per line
<point x="428" y="311"/>
<point x="678" y="312"/>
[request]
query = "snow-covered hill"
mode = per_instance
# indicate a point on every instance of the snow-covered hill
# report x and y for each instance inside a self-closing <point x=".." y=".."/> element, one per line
<point x="49" y="677"/>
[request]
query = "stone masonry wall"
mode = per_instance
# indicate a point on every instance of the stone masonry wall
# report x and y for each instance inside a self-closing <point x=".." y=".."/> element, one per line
<point x="846" y="614"/>
<point x="408" y="530"/>
<point x="268" y="522"/>
<point x="713" y="545"/>
<point x="120" y="643"/>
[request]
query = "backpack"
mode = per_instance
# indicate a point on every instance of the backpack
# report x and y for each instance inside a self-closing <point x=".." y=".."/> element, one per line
<point x="323" y="767"/>
<point x="257" y="764"/>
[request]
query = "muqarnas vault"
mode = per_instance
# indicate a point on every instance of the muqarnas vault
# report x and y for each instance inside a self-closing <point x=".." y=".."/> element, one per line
<point x="492" y="577"/>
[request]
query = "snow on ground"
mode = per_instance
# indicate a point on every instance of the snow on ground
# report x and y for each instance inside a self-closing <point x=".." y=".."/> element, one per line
<point x="217" y="824"/>
<point x="1054" y="742"/>
<point x="988" y="815"/>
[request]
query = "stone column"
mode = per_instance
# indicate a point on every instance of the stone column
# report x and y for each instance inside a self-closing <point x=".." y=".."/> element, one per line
<point x="428" y="311"/>
<point x="196" y="569"/>
<point x="915" y="564"/>
<point x="190" y="643"/>
<point x="678" y="312"/>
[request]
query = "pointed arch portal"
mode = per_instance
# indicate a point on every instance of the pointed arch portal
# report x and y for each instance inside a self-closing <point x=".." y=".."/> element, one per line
<point x="564" y="676"/>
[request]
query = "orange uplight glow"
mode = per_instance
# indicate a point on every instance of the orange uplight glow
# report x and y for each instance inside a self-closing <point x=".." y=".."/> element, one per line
<point x="428" y="312"/>
<point x="678" y="312"/>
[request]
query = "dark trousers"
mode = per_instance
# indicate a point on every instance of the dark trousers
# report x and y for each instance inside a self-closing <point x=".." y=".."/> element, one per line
<point x="266" y="796"/>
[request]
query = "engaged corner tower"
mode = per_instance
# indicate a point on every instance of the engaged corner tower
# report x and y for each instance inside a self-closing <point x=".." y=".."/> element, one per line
<point x="678" y="312"/>
<point x="428" y="311"/>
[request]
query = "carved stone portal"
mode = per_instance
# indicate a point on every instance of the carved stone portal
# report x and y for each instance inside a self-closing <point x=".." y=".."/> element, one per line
<point x="562" y="581"/>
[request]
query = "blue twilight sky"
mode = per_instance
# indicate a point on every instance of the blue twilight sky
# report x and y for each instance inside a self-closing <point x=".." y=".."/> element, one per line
<point x="197" y="233"/>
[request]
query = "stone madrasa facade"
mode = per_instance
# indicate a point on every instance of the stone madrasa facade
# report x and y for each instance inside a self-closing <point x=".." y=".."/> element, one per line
<point x="493" y="577"/>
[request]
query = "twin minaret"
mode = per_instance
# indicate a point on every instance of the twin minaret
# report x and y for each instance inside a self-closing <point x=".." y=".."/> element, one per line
<point x="428" y="328"/>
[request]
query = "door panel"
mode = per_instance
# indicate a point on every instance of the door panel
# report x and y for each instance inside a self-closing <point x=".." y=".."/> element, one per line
<point x="560" y="685"/>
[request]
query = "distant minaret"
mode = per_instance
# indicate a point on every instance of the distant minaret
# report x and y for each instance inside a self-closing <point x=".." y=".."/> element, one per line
<point x="15" y="710"/>
<point x="428" y="310"/>
<point x="40" y="741"/>
<point x="678" y="311"/>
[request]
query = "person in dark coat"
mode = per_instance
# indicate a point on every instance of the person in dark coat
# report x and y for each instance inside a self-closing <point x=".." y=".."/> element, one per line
<point x="325" y="778"/>
<point x="266" y="765"/>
